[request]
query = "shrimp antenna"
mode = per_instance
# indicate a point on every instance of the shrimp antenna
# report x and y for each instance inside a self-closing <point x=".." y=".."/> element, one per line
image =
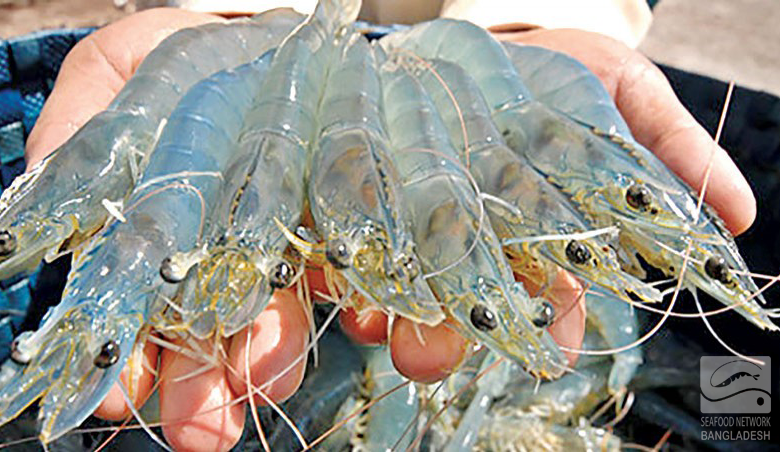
<point x="654" y="330"/>
<point x="137" y="415"/>
<point x="711" y="158"/>
<point x="717" y="338"/>
<point x="357" y="412"/>
<point x="415" y="444"/>
<point x="252" y="403"/>
<point x="416" y="418"/>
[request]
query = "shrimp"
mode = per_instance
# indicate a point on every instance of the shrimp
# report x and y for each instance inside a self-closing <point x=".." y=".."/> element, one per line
<point x="380" y="426"/>
<point x="72" y="361"/>
<point x="529" y="206"/>
<point x="528" y="432"/>
<point x="66" y="198"/>
<point x="607" y="177"/>
<point x="617" y="324"/>
<point x="476" y="286"/>
<point x="243" y="262"/>
<point x="354" y="191"/>
<point x="507" y="399"/>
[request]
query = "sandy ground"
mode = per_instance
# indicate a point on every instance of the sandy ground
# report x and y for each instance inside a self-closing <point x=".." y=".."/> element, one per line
<point x="19" y="17"/>
<point x="725" y="39"/>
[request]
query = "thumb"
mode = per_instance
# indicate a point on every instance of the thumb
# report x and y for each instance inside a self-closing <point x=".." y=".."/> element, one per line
<point x="97" y="69"/>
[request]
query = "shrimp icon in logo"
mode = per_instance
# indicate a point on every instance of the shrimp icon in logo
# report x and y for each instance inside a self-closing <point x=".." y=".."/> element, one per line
<point x="732" y="385"/>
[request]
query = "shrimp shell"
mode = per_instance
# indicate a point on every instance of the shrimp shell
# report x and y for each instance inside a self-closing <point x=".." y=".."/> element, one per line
<point x="354" y="191"/>
<point x="59" y="204"/>
<point x="234" y="282"/>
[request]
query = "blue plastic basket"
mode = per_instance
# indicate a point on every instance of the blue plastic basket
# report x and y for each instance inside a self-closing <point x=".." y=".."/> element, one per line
<point x="28" y="67"/>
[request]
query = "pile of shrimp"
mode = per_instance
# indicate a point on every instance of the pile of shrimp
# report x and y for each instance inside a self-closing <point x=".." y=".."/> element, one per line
<point x="422" y="171"/>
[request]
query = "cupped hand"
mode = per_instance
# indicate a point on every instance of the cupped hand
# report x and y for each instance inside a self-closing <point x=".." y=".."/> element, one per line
<point x="656" y="117"/>
<point x="202" y="408"/>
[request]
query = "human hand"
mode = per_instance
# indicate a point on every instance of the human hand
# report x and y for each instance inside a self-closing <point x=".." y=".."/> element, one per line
<point x="90" y="77"/>
<point x="656" y="118"/>
<point x="92" y="74"/>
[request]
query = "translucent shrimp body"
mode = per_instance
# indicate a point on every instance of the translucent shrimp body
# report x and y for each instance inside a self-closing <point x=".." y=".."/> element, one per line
<point x="604" y="175"/>
<point x="245" y="260"/>
<point x="354" y="191"/>
<point x="527" y="431"/>
<point x="529" y="206"/>
<point x="76" y="356"/>
<point x="617" y="324"/>
<point x="60" y="203"/>
<point x="388" y="418"/>
<point x="477" y="286"/>
<point x="563" y="83"/>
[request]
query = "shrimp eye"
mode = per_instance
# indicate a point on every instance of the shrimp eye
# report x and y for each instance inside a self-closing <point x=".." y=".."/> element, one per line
<point x="410" y="266"/>
<point x="338" y="254"/>
<point x="716" y="268"/>
<point x="7" y="243"/>
<point x="17" y="355"/>
<point x="545" y="316"/>
<point x="577" y="253"/>
<point x="107" y="356"/>
<point x="170" y="271"/>
<point x="483" y="318"/>
<point x="638" y="196"/>
<point x="281" y="275"/>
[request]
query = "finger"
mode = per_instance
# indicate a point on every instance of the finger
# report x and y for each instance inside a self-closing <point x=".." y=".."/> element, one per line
<point x="114" y="407"/>
<point x="662" y="124"/>
<point x="318" y="284"/>
<point x="657" y="118"/>
<point x="279" y="337"/>
<point x="96" y="69"/>
<point x="367" y="327"/>
<point x="424" y="353"/>
<point x="185" y="392"/>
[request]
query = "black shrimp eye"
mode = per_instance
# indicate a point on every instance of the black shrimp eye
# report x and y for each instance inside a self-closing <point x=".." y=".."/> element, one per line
<point x="338" y="254"/>
<point x="281" y="275"/>
<point x="16" y="355"/>
<point x="545" y="316"/>
<point x="108" y="355"/>
<point x="577" y="253"/>
<point x="413" y="268"/>
<point x="7" y="243"/>
<point x="410" y="266"/>
<point x="638" y="196"/>
<point x="716" y="268"/>
<point x="483" y="318"/>
<point x="170" y="272"/>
